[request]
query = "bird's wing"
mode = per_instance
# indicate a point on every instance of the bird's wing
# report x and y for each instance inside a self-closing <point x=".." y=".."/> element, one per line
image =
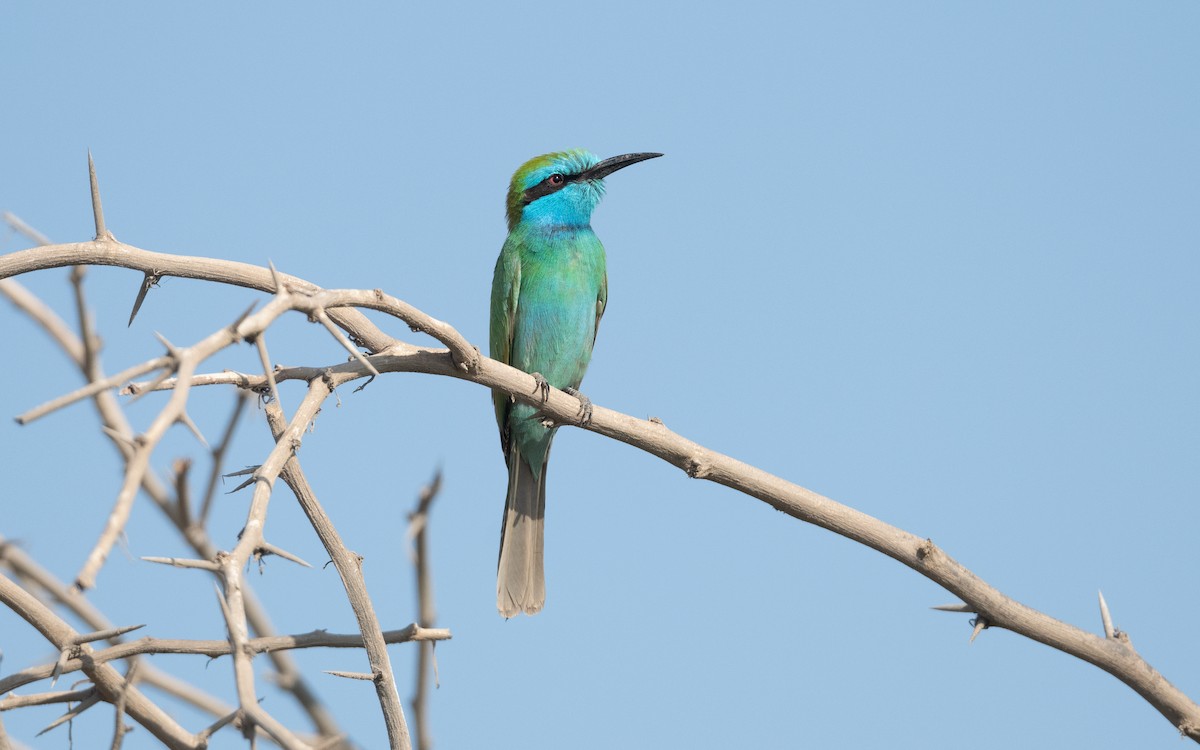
<point x="601" y="303"/>
<point x="506" y="287"/>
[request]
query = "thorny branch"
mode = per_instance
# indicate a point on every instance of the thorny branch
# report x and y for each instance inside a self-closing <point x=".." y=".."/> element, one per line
<point x="418" y="522"/>
<point x="348" y="564"/>
<point x="212" y="649"/>
<point x="38" y="579"/>
<point x="108" y="681"/>
<point x="1113" y="654"/>
<point x="177" y="511"/>
<point x="118" y="429"/>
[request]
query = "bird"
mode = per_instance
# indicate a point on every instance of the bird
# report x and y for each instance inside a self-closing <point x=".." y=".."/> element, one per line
<point x="549" y="292"/>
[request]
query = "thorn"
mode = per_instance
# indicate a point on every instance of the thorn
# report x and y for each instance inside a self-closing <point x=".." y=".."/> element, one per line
<point x="171" y="350"/>
<point x="182" y="562"/>
<point x="122" y="439"/>
<point x="980" y="625"/>
<point x="224" y="607"/>
<point x="217" y="725"/>
<point x="149" y="280"/>
<point x="102" y="232"/>
<point x="333" y="331"/>
<point x="151" y="386"/>
<point x="187" y="421"/>
<point x="1105" y="617"/>
<point x="104" y="635"/>
<point x="351" y="675"/>
<point x="234" y="326"/>
<point x="267" y="548"/>
<point x="249" y="470"/>
<point x="63" y="657"/>
<point x="260" y="343"/>
<point x="243" y="485"/>
<point x="84" y="705"/>
<point x="275" y="277"/>
<point x="954" y="608"/>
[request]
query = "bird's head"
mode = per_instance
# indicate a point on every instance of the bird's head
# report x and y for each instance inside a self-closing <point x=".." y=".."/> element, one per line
<point x="562" y="188"/>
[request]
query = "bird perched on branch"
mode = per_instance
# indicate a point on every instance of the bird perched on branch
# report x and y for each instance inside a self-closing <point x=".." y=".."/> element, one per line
<point x="548" y="295"/>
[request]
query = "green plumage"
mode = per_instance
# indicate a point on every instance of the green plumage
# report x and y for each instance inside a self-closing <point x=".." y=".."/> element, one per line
<point x="548" y="294"/>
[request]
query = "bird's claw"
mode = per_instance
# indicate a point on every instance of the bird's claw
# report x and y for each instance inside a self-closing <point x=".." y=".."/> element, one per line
<point x="541" y="384"/>
<point x="585" y="406"/>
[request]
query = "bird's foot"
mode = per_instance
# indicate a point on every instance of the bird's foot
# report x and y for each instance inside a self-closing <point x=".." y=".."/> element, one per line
<point x="585" y="406"/>
<point x="541" y="384"/>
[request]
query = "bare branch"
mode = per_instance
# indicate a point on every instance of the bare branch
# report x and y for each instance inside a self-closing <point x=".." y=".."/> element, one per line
<point x="19" y="226"/>
<point x="994" y="608"/>
<point x="121" y="728"/>
<point x="112" y="253"/>
<point x="418" y="522"/>
<point x="251" y="539"/>
<point x="41" y="314"/>
<point x="217" y="648"/>
<point x="218" y="455"/>
<point x="180" y="471"/>
<point x="24" y="567"/>
<point x="42" y="699"/>
<point x="349" y="567"/>
<point x="186" y="361"/>
<point x="89" y="701"/>
<point x="217" y="725"/>
<point x="91" y="389"/>
<point x="107" y="680"/>
<point x="117" y="427"/>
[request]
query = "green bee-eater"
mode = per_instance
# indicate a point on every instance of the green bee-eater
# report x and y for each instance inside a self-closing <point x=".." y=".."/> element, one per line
<point x="548" y="295"/>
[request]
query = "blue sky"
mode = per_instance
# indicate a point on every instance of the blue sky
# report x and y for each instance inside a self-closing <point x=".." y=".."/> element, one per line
<point x="937" y="261"/>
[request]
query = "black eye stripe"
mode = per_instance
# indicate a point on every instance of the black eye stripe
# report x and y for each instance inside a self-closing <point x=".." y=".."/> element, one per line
<point x="546" y="187"/>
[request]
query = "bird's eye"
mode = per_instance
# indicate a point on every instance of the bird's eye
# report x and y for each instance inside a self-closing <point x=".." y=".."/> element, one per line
<point x="556" y="179"/>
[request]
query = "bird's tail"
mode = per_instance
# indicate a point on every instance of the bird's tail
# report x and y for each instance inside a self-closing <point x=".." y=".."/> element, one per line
<point x="520" y="576"/>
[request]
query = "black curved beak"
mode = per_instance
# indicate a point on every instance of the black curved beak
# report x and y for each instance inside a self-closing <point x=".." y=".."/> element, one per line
<point x="612" y="164"/>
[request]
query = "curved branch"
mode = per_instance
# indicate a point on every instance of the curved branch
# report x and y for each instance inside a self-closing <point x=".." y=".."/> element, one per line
<point x="108" y="252"/>
<point x="1113" y="656"/>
